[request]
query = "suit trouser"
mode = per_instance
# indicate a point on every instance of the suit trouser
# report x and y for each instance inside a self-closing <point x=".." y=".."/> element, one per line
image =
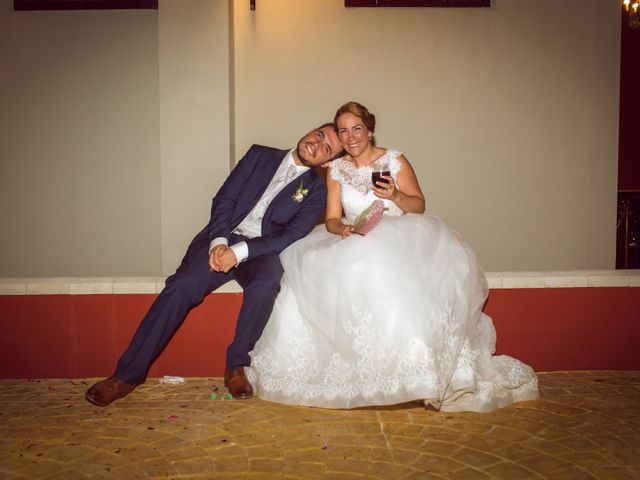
<point x="260" y="280"/>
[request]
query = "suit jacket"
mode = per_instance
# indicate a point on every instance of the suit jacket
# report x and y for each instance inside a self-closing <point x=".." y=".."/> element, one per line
<point x="285" y="220"/>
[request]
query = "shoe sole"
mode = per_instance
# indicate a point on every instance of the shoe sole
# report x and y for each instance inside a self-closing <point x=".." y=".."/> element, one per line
<point x="96" y="402"/>
<point x="242" y="397"/>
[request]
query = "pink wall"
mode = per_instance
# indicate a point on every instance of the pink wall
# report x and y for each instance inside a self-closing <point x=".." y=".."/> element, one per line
<point x="569" y="328"/>
<point x="75" y="336"/>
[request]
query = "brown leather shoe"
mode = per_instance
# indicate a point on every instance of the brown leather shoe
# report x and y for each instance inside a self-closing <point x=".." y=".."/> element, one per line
<point x="108" y="390"/>
<point x="238" y="384"/>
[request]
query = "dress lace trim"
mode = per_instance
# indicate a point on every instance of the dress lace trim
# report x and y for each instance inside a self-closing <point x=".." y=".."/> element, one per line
<point x="355" y="184"/>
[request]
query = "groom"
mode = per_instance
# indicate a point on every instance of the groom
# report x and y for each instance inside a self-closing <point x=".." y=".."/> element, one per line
<point x="271" y="199"/>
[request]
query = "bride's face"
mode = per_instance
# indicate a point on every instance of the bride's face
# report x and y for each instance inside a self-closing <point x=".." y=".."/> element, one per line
<point x="353" y="134"/>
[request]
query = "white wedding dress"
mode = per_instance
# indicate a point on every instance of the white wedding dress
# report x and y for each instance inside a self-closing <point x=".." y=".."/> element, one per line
<point x="387" y="318"/>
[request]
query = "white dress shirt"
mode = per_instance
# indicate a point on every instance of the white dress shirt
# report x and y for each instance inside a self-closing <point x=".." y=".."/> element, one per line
<point x="251" y="226"/>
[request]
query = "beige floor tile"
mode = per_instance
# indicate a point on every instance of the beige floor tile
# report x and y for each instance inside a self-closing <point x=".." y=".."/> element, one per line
<point x="585" y="426"/>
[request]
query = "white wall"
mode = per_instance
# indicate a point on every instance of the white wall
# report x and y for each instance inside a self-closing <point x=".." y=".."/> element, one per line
<point x="79" y="143"/>
<point x="194" y="117"/>
<point x="116" y="126"/>
<point x="115" y="136"/>
<point x="509" y="114"/>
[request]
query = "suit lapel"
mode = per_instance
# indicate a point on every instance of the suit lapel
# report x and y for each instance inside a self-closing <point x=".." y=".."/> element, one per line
<point x="266" y="169"/>
<point x="285" y="195"/>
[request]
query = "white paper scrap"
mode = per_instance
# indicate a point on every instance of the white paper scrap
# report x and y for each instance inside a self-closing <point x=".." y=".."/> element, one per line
<point x="172" y="380"/>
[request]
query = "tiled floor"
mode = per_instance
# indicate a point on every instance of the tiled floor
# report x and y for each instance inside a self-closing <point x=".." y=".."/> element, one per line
<point x="586" y="425"/>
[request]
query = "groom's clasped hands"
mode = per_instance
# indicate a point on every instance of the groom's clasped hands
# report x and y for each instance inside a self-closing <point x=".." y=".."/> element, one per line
<point x="222" y="259"/>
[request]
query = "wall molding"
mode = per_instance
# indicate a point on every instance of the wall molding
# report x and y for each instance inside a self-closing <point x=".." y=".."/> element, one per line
<point x="153" y="285"/>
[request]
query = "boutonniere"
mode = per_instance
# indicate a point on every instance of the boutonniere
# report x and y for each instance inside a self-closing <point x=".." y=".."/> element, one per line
<point x="301" y="192"/>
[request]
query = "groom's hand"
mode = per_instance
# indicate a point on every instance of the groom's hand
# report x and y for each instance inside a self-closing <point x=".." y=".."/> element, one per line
<point x="227" y="260"/>
<point x="214" y="257"/>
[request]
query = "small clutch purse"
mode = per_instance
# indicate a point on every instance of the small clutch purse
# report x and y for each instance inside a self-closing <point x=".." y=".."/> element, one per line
<point x="369" y="217"/>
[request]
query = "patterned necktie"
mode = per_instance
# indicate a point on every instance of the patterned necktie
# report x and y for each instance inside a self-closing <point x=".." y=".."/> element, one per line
<point x="288" y="175"/>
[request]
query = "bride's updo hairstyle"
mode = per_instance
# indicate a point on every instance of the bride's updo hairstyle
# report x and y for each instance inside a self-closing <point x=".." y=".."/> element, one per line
<point x="360" y="111"/>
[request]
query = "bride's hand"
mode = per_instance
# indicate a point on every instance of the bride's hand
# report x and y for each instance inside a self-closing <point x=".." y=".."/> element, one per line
<point x="347" y="231"/>
<point x="386" y="189"/>
<point x="334" y="225"/>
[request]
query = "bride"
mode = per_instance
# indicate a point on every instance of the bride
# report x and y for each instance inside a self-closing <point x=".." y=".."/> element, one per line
<point x="389" y="317"/>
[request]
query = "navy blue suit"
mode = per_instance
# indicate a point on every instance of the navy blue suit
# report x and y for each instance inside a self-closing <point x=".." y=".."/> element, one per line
<point x="284" y="222"/>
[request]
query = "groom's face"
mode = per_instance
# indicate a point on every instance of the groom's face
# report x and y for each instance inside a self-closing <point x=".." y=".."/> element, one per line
<point x="318" y="147"/>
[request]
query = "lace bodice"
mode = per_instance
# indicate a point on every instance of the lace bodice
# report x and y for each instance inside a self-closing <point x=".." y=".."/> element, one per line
<point x="355" y="185"/>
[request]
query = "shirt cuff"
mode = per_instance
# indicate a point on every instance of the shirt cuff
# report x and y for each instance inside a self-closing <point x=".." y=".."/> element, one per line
<point x="241" y="249"/>
<point x="218" y="241"/>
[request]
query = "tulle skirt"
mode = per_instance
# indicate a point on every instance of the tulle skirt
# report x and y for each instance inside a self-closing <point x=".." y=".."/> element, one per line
<point x="387" y="318"/>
